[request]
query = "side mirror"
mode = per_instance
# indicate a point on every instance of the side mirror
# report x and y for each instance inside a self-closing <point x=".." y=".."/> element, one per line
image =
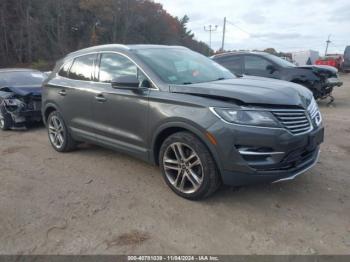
<point x="271" y="69"/>
<point x="126" y="82"/>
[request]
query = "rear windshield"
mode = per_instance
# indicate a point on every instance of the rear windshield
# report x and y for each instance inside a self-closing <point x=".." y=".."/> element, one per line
<point x="280" y="61"/>
<point x="22" y="79"/>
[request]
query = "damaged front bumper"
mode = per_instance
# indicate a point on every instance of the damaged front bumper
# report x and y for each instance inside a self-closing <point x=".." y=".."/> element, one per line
<point x="21" y="110"/>
<point x="333" y="82"/>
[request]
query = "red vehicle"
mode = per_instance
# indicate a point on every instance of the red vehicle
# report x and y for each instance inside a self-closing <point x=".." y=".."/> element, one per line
<point x="331" y="60"/>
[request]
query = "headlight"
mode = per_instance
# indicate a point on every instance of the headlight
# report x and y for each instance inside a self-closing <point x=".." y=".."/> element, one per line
<point x="247" y="117"/>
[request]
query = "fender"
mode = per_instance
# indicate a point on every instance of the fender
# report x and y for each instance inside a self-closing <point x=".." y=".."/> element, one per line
<point x="45" y="107"/>
<point x="198" y="131"/>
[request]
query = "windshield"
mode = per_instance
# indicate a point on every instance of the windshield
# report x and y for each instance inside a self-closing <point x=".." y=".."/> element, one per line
<point x="182" y="66"/>
<point x="280" y="61"/>
<point x="22" y="79"/>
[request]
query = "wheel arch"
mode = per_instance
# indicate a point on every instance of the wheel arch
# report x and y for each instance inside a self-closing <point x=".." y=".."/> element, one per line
<point x="168" y="129"/>
<point x="49" y="108"/>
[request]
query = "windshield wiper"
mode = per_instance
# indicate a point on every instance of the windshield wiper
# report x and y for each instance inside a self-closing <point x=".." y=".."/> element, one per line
<point x="187" y="83"/>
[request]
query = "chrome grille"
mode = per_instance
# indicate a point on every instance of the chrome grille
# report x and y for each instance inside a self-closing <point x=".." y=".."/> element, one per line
<point x="313" y="109"/>
<point x="314" y="112"/>
<point x="296" y="121"/>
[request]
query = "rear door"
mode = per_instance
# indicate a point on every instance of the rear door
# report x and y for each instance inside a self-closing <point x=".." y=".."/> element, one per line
<point x="234" y="63"/>
<point x="120" y="115"/>
<point x="74" y="92"/>
<point x="258" y="66"/>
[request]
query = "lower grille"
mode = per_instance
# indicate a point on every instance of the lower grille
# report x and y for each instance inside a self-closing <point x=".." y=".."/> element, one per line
<point x="296" y="121"/>
<point x="292" y="160"/>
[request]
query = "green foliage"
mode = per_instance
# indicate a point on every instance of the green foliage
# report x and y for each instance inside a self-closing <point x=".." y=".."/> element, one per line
<point x="41" y="65"/>
<point x="38" y="30"/>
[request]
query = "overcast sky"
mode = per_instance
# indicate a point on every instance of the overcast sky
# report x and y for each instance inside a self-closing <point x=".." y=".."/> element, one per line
<point x="287" y="25"/>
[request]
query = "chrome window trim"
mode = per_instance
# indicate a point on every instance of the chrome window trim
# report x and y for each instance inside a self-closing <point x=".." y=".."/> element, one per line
<point x="104" y="52"/>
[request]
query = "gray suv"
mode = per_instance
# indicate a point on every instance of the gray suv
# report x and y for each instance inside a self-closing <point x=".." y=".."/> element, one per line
<point x="177" y="109"/>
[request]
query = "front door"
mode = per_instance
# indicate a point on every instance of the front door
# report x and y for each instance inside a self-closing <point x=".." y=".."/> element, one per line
<point x="120" y="115"/>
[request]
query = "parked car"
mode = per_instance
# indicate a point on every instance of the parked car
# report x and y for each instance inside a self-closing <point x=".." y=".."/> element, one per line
<point x="20" y="97"/>
<point x="346" y="63"/>
<point x="182" y="111"/>
<point x="319" y="79"/>
<point x="333" y="60"/>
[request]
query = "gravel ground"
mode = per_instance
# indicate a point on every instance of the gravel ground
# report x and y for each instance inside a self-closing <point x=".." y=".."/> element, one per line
<point x="96" y="201"/>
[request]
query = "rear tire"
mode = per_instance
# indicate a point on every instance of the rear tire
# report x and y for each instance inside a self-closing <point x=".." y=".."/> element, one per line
<point x="188" y="167"/>
<point x="59" y="136"/>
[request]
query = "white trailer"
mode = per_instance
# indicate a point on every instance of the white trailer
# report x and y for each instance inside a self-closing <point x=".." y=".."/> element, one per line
<point x="307" y="57"/>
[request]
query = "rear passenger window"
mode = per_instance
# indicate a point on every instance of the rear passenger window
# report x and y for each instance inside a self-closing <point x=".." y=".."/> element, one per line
<point x="114" y="65"/>
<point x="82" y="68"/>
<point x="65" y="69"/>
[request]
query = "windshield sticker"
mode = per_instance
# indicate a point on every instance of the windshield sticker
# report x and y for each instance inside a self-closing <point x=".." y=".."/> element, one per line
<point x="181" y="66"/>
<point x="172" y="78"/>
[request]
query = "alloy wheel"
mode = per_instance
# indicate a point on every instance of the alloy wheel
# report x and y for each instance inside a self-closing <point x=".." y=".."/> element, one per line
<point x="183" y="168"/>
<point x="2" y="120"/>
<point x="56" y="132"/>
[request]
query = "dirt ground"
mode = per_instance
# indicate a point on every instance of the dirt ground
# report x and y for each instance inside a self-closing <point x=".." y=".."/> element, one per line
<point x="96" y="201"/>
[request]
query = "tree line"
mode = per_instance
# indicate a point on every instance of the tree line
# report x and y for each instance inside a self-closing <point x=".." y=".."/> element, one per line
<point x="46" y="30"/>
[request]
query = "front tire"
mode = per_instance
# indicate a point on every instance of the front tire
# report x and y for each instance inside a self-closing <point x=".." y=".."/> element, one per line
<point x="59" y="136"/>
<point x="188" y="167"/>
<point x="6" y="121"/>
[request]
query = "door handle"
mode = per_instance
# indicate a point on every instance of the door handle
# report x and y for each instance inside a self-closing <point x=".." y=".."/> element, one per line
<point x="100" y="98"/>
<point x="62" y="92"/>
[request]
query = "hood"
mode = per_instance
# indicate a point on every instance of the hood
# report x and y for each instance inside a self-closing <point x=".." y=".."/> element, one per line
<point x="23" y="90"/>
<point x="251" y="90"/>
<point x="320" y="68"/>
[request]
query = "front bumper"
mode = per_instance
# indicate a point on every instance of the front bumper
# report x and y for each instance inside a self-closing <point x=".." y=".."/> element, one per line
<point x="291" y="155"/>
<point x="333" y="82"/>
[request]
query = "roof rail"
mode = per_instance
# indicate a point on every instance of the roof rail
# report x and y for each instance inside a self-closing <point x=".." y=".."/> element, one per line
<point x="98" y="46"/>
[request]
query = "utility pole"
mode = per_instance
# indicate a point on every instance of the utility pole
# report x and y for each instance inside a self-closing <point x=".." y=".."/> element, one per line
<point x="328" y="42"/>
<point x="223" y="36"/>
<point x="210" y="29"/>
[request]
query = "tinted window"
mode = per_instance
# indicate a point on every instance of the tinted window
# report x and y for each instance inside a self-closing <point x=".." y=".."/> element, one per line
<point x="82" y="68"/>
<point x="114" y="65"/>
<point x="65" y="70"/>
<point x="256" y="63"/>
<point x="232" y="63"/>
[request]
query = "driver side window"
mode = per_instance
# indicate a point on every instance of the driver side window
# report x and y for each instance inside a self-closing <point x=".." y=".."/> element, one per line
<point x="256" y="63"/>
<point x="113" y="66"/>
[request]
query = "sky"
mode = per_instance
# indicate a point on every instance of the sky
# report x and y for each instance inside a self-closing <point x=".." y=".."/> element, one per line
<point x="286" y="25"/>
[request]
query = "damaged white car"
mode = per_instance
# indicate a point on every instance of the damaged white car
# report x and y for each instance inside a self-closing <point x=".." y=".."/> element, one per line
<point x="20" y="97"/>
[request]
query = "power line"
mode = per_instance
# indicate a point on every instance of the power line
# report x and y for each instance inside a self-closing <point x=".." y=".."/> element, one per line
<point x="250" y="34"/>
<point x="210" y="29"/>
